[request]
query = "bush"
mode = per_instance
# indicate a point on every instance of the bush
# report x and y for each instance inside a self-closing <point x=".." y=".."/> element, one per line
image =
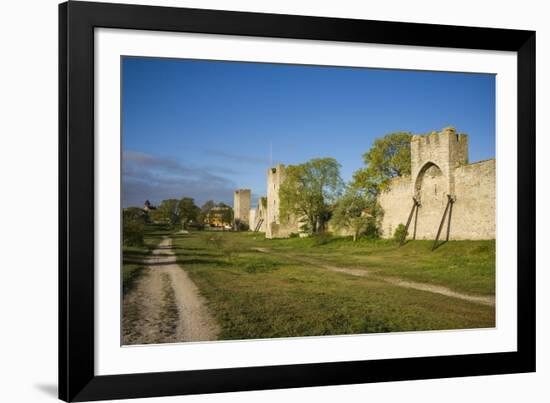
<point x="373" y="230"/>
<point x="132" y="233"/>
<point x="240" y="226"/>
<point x="400" y="233"/>
<point x="133" y="225"/>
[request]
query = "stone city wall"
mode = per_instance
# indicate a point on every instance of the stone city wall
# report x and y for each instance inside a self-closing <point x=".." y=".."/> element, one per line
<point x="396" y="203"/>
<point x="439" y="168"/>
<point x="474" y="214"/>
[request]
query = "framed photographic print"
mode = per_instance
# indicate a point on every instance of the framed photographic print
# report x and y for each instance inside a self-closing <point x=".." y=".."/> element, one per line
<point x="257" y="201"/>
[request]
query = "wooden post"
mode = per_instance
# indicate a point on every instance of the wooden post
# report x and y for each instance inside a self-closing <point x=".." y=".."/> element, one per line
<point x="260" y="222"/>
<point x="415" y="219"/>
<point x="449" y="220"/>
<point x="415" y="206"/>
<point x="450" y="202"/>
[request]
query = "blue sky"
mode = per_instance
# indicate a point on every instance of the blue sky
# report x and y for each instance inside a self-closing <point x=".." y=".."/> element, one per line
<point x="204" y="128"/>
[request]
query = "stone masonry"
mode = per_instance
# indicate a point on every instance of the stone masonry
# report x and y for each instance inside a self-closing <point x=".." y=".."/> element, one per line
<point x="260" y="216"/>
<point x="241" y="205"/>
<point x="277" y="226"/>
<point x="252" y="218"/>
<point x="439" y="170"/>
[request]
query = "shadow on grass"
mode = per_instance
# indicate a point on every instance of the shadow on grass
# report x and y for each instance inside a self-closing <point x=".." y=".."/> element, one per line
<point x="438" y="245"/>
<point x="136" y="253"/>
<point x="211" y="262"/>
<point x="146" y="263"/>
<point x="191" y="248"/>
<point x="158" y="234"/>
<point x="196" y="254"/>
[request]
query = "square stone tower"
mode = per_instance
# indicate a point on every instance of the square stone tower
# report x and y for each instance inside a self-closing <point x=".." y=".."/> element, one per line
<point x="241" y="205"/>
<point x="441" y="174"/>
<point x="277" y="227"/>
<point x="445" y="150"/>
<point x="275" y="176"/>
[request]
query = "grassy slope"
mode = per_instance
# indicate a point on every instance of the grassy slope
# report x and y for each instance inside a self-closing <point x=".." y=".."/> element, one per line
<point x="256" y="295"/>
<point x="132" y="256"/>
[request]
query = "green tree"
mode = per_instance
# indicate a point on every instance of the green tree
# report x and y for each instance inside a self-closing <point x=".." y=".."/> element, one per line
<point x="356" y="212"/>
<point x="226" y="213"/>
<point x="188" y="212"/>
<point x="205" y="210"/>
<point x="389" y="156"/>
<point x="133" y="225"/>
<point x="167" y="212"/>
<point x="133" y="213"/>
<point x="308" y="191"/>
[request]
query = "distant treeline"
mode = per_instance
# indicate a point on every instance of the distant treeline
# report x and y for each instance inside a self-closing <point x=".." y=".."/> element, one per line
<point x="175" y="213"/>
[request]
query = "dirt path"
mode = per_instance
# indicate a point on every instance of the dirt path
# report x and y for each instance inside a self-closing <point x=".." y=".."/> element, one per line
<point x="436" y="289"/>
<point x="165" y="305"/>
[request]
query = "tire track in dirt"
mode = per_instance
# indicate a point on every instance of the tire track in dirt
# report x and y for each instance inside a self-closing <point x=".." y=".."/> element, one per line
<point x="165" y="288"/>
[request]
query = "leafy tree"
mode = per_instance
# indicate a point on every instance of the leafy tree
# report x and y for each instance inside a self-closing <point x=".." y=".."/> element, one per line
<point x="188" y="212"/>
<point x="350" y="213"/>
<point x="389" y="156"/>
<point x="355" y="211"/>
<point x="167" y="212"/>
<point x="133" y="224"/>
<point x="308" y="191"/>
<point x="133" y="213"/>
<point x="205" y="210"/>
<point x="226" y="213"/>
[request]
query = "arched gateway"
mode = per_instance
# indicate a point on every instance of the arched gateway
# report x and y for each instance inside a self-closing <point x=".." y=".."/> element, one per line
<point x="444" y="194"/>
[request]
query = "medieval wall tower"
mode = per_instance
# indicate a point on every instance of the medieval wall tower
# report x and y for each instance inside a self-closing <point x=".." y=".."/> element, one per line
<point x="275" y="176"/>
<point x="277" y="227"/>
<point x="441" y="176"/>
<point x="241" y="205"/>
<point x="444" y="151"/>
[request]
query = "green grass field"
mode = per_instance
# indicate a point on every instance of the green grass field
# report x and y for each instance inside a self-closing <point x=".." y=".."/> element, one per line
<point x="259" y="288"/>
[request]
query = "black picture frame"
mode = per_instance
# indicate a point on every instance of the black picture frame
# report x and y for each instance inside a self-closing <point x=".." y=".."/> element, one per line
<point x="77" y="21"/>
